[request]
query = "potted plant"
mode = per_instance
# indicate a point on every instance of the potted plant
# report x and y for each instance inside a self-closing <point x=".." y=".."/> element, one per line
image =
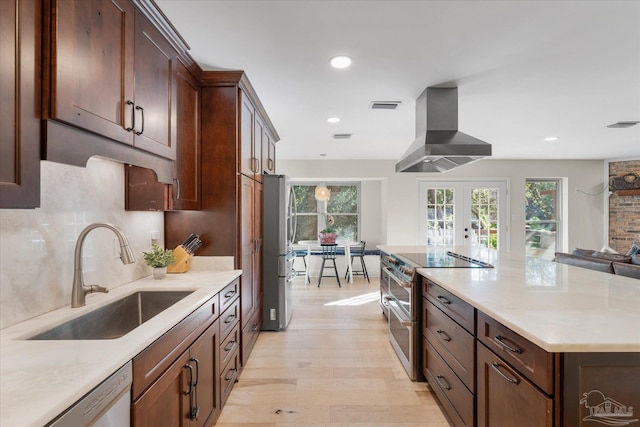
<point x="159" y="259"/>
<point x="329" y="234"/>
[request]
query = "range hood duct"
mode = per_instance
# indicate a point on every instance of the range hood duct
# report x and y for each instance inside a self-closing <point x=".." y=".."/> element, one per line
<point x="439" y="146"/>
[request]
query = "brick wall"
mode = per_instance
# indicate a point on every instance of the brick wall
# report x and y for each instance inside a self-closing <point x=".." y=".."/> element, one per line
<point x="624" y="211"/>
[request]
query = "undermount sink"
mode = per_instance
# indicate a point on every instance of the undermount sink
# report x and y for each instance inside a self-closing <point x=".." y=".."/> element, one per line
<point x="115" y="319"/>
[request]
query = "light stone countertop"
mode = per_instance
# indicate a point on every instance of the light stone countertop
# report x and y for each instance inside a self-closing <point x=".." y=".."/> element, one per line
<point x="560" y="308"/>
<point x="41" y="379"/>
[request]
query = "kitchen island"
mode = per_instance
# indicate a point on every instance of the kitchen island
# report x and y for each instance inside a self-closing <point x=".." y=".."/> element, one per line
<point x="569" y="337"/>
<point x="41" y="379"/>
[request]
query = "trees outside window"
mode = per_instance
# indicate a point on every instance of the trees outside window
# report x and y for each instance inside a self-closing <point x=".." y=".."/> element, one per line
<point x="542" y="217"/>
<point x="343" y="206"/>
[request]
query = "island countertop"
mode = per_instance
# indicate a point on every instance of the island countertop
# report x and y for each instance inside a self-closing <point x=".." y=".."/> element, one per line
<point x="41" y="379"/>
<point x="560" y="308"/>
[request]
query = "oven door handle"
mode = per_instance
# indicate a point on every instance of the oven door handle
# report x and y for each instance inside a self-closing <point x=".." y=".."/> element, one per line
<point x="403" y="321"/>
<point x="406" y="285"/>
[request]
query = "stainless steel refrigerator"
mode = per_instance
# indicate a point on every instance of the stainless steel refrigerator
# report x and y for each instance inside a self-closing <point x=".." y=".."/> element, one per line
<point x="279" y="230"/>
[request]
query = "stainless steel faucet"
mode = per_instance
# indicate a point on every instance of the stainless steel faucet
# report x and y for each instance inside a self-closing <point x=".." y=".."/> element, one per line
<point x="79" y="290"/>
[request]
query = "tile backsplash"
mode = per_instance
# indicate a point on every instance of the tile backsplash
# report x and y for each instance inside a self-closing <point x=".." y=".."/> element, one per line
<point x="37" y="245"/>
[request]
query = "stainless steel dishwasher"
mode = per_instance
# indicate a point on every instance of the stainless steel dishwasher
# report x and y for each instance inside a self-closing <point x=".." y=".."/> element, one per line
<point x="107" y="405"/>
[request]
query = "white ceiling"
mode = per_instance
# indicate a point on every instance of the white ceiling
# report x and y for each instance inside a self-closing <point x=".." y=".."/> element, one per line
<point x="525" y="70"/>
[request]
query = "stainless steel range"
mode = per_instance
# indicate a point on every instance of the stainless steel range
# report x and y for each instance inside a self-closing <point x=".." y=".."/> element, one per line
<point x="401" y="301"/>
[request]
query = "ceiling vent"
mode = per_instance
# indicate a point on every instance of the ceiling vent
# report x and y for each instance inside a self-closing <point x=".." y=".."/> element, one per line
<point x="384" y="105"/>
<point x="342" y="135"/>
<point x="622" y="124"/>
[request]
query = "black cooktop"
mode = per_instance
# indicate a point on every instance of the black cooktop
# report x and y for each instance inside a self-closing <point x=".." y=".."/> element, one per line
<point x="442" y="260"/>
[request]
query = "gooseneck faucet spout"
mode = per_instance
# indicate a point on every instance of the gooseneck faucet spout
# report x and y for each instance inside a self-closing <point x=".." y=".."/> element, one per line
<point x="79" y="290"/>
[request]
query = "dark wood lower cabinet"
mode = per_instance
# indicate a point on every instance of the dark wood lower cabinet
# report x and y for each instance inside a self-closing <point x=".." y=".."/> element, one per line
<point x="506" y="398"/>
<point x="188" y="392"/>
<point x="165" y="403"/>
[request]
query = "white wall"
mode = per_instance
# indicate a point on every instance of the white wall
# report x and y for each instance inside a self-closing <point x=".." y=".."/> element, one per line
<point x="37" y="245"/>
<point x="395" y="222"/>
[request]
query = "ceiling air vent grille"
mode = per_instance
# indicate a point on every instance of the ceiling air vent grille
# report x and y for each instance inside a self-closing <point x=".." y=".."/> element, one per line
<point x="622" y="124"/>
<point x="384" y="105"/>
<point x="342" y="135"/>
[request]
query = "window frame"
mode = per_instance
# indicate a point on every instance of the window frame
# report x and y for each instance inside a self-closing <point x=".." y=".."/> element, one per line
<point x="321" y="206"/>
<point x="559" y="213"/>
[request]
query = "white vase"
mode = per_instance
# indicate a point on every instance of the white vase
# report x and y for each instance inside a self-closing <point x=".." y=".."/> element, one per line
<point x="159" y="273"/>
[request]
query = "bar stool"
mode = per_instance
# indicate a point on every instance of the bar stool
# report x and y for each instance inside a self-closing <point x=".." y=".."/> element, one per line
<point x="357" y="251"/>
<point x="329" y="254"/>
<point x="303" y="255"/>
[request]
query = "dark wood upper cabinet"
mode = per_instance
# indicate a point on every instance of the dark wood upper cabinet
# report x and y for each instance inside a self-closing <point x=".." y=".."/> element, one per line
<point x="112" y="73"/>
<point x="268" y="154"/>
<point x="92" y="59"/>
<point x="20" y="23"/>
<point x="184" y="194"/>
<point x="142" y="190"/>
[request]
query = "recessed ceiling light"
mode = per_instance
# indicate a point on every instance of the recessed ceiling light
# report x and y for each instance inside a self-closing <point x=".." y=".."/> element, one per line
<point x="551" y="138"/>
<point x="333" y="119"/>
<point x="340" y="61"/>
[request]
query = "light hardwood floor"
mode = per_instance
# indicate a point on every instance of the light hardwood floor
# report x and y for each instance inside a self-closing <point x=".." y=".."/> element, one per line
<point x="333" y="366"/>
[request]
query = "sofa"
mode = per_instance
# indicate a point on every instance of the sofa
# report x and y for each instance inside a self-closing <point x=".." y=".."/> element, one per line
<point x="623" y="265"/>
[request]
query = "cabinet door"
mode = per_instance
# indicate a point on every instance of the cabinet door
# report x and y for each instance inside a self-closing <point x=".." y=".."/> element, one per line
<point x="185" y="192"/>
<point x="155" y="79"/>
<point x="92" y="66"/>
<point x="165" y="403"/>
<point x="271" y="156"/>
<point x="259" y="136"/>
<point x="248" y="247"/>
<point x="204" y="354"/>
<point x="506" y="398"/>
<point x="257" y="235"/>
<point x="247" y="122"/>
<point x="19" y="107"/>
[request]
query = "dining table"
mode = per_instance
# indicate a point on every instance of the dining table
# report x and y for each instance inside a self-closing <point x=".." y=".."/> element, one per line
<point x="312" y="245"/>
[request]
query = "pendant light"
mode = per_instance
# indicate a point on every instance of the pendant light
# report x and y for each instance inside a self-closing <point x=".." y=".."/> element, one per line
<point x="322" y="193"/>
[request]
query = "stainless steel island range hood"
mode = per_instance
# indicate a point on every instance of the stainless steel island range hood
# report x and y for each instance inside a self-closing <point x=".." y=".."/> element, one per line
<point x="439" y="146"/>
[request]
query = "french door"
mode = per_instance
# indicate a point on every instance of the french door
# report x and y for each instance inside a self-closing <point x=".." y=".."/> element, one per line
<point x="463" y="213"/>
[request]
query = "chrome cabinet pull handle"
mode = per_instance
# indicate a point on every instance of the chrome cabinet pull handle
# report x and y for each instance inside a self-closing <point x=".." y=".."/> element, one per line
<point x="231" y="346"/>
<point x="142" y="126"/>
<point x="177" y="181"/>
<point x="132" y="118"/>
<point x="443" y="300"/>
<point x="499" y="339"/>
<point x="443" y="382"/>
<point x="444" y="335"/>
<point x="233" y="372"/>
<point x="496" y="367"/>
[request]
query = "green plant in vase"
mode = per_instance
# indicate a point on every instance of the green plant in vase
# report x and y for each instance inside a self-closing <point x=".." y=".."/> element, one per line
<point x="159" y="259"/>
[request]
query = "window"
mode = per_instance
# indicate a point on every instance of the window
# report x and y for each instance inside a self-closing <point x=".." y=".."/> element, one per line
<point x="343" y="206"/>
<point x="542" y="217"/>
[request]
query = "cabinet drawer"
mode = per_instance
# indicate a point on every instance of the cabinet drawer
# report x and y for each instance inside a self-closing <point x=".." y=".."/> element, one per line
<point x="229" y="294"/>
<point x="250" y="335"/>
<point x="456" y="399"/>
<point x="229" y="318"/>
<point x="506" y="398"/>
<point x="230" y="345"/>
<point x="454" y="344"/>
<point x="155" y="359"/>
<point x="228" y="377"/>
<point x="524" y="356"/>
<point x="451" y="305"/>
